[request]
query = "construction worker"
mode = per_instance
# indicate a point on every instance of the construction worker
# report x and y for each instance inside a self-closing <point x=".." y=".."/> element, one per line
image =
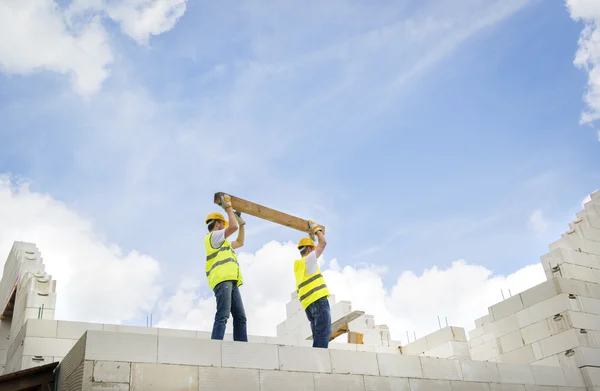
<point x="223" y="271"/>
<point x="312" y="291"/>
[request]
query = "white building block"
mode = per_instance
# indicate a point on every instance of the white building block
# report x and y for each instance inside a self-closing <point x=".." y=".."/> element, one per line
<point x="444" y="335"/>
<point x="74" y="330"/>
<point x="35" y="346"/>
<point x="591" y="375"/>
<point x="541" y="292"/>
<point x="416" y="347"/>
<point x="340" y="309"/>
<point x="436" y="368"/>
<point x="107" y="346"/>
<point x="35" y="361"/>
<point x="511" y="341"/>
<point x="44" y="328"/>
<point x="429" y="385"/>
<point x="475" y="333"/>
<point x="112" y="372"/>
<point x="535" y="332"/>
<point x="480" y="322"/>
<point x="565" y="255"/>
<point x="290" y="381"/>
<point x="399" y="365"/>
<point x="548" y="376"/>
<point x="515" y="374"/>
<point x="249" y="355"/>
<point x="304" y="359"/>
<point x="589" y="305"/>
<point x="292" y="307"/>
<point x="354" y="363"/>
<point x="137" y="330"/>
<point x="449" y="349"/>
<point x="189" y="351"/>
<point x="486" y="372"/>
<point x="551" y="361"/>
<point x="179" y="333"/>
<point x="228" y="379"/>
<point x="328" y="382"/>
<point x="378" y="383"/>
<point x="505" y="326"/>
<point x="294" y="295"/>
<point x="586" y="356"/>
<point x="506" y="307"/>
<point x="559" y="343"/>
<point x="594" y="289"/>
<point x="160" y="377"/>
<point x="522" y="355"/>
<point x="469" y="386"/>
<point x="543" y="310"/>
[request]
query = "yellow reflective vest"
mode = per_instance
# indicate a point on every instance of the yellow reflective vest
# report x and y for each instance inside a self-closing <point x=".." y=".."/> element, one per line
<point x="221" y="263"/>
<point x="310" y="287"/>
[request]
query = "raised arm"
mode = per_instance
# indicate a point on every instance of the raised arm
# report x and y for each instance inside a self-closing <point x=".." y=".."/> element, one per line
<point x="317" y="230"/>
<point x="239" y="241"/>
<point x="233" y="225"/>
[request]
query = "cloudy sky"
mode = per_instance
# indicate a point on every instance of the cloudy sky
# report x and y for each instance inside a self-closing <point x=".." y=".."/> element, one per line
<point x="444" y="144"/>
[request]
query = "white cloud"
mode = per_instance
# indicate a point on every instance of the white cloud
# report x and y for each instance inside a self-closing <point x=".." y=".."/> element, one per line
<point x="538" y="222"/>
<point x="40" y="35"/>
<point x="588" y="55"/>
<point x="96" y="281"/>
<point x="461" y="292"/>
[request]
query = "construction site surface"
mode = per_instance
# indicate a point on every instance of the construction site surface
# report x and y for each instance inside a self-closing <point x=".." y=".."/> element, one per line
<point x="546" y="338"/>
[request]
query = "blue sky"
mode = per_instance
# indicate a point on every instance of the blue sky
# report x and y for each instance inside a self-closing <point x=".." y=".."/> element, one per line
<point x="418" y="133"/>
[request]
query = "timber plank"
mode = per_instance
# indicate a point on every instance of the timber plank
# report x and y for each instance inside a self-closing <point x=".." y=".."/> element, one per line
<point x="340" y="326"/>
<point x="263" y="212"/>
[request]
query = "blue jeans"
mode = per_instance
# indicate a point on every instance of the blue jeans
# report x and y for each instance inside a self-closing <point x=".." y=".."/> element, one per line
<point x="319" y="316"/>
<point x="229" y="301"/>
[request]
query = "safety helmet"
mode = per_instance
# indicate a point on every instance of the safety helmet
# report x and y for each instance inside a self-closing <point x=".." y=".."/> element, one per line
<point x="216" y="216"/>
<point x="306" y="242"/>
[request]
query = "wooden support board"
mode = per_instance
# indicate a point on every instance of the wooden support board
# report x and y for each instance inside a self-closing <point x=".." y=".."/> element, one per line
<point x="340" y="326"/>
<point x="260" y="211"/>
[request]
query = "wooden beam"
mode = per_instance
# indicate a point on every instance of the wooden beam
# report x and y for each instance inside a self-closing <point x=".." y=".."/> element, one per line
<point x="340" y="326"/>
<point x="263" y="212"/>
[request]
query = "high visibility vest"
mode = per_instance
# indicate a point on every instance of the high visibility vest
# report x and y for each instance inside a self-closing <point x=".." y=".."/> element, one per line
<point x="221" y="263"/>
<point x="310" y="287"/>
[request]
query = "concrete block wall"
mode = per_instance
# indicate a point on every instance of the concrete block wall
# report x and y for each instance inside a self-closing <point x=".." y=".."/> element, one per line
<point x="448" y="342"/>
<point x="119" y="361"/>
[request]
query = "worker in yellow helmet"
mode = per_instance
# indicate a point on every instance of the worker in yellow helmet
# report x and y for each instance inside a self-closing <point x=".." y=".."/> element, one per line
<point x="223" y="271"/>
<point x="311" y="287"/>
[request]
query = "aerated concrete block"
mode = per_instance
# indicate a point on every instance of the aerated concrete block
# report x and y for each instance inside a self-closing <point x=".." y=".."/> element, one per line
<point x="28" y="362"/>
<point x="189" y="351"/>
<point x="137" y="330"/>
<point x="328" y="382"/>
<point x="541" y="292"/>
<point x="506" y="308"/>
<point x="112" y="372"/>
<point x="535" y="332"/>
<point x="511" y="341"/>
<point x="354" y="363"/>
<point x="249" y="355"/>
<point x="35" y="346"/>
<point x="522" y="355"/>
<point x="109" y="387"/>
<point x="515" y="373"/>
<point x="107" y="346"/>
<point x="576" y="272"/>
<point x="399" y="365"/>
<point x="469" y="386"/>
<point x="289" y="381"/>
<point x="378" y="383"/>
<point x="505" y="326"/>
<point x="178" y="333"/>
<point x="589" y="305"/>
<point x="161" y="377"/>
<point x="416" y="347"/>
<point x="548" y="376"/>
<point x="475" y="371"/>
<point x="429" y="385"/>
<point x="543" y="310"/>
<point x="292" y="307"/>
<point x="228" y="379"/>
<point x="74" y="330"/>
<point x="304" y="359"/>
<point x="444" y="335"/>
<point x="435" y="368"/>
<point x="559" y="343"/>
<point x="551" y="361"/>
<point x="591" y="375"/>
<point x="44" y="328"/>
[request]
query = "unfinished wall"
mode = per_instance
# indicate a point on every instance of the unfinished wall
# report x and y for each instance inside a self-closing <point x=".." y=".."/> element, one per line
<point x="135" y="362"/>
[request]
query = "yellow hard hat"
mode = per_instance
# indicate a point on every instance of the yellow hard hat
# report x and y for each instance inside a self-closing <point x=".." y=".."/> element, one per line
<point x="306" y="242"/>
<point x="216" y="216"/>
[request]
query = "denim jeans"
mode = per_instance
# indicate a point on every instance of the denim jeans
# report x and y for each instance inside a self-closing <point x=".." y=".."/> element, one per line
<point x="229" y="301"/>
<point x="319" y="316"/>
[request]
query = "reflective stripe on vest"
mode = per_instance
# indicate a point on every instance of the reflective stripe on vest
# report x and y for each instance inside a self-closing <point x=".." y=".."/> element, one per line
<point x="221" y="263"/>
<point x="310" y="287"/>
